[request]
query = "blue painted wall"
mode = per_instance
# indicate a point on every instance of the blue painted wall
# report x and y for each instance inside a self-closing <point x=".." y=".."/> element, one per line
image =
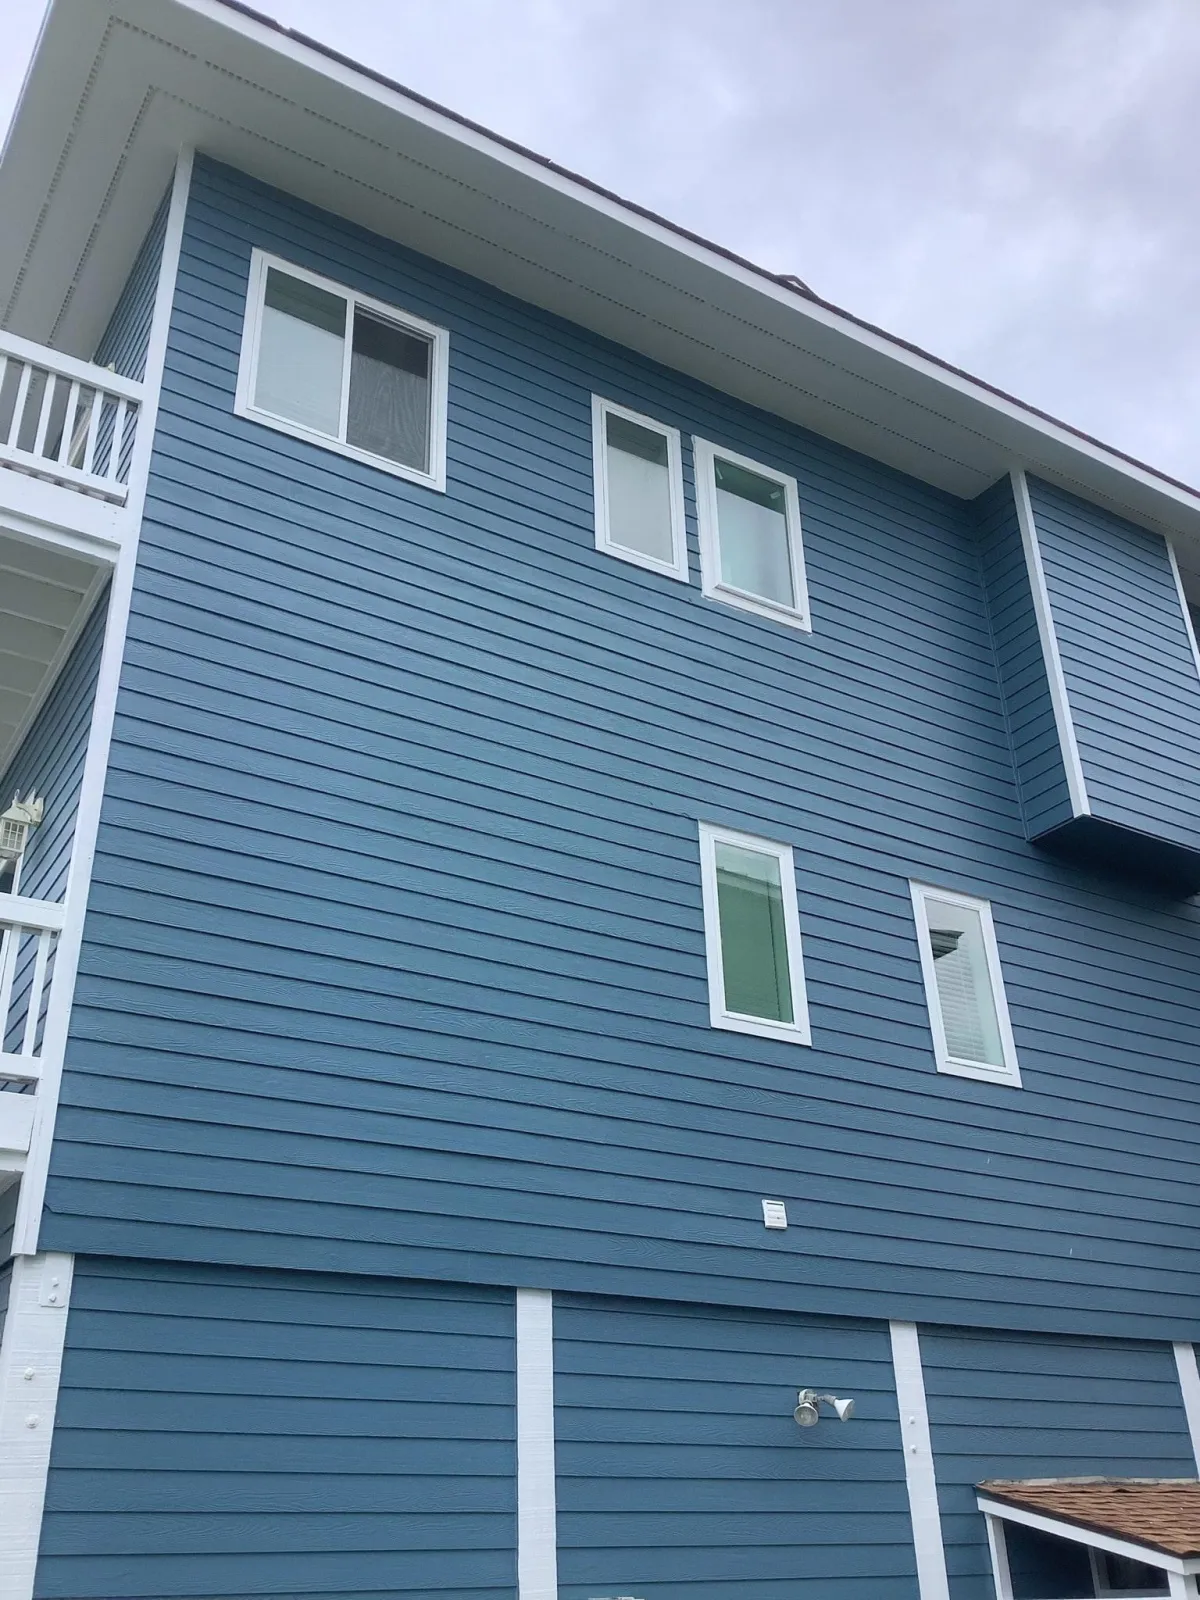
<point x="126" y="340"/>
<point x="1029" y="711"/>
<point x="682" y="1475"/>
<point x="226" y="1434"/>
<point x="1130" y="674"/>
<point x="398" y="879"/>
<point x="1019" y="1407"/>
<point x="50" y="762"/>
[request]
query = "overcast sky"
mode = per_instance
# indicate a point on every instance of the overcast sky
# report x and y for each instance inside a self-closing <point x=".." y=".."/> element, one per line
<point x="1013" y="184"/>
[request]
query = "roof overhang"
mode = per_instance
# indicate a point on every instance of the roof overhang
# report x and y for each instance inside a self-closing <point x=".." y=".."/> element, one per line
<point x="1099" y="1534"/>
<point x="118" y="86"/>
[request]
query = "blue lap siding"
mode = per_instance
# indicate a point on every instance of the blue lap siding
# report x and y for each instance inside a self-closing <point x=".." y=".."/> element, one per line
<point x="394" y="960"/>
<point x="126" y="341"/>
<point x="1127" y="660"/>
<point x="231" y="1434"/>
<point x="681" y="1472"/>
<point x="1019" y="1407"/>
<point x="50" y="761"/>
<point x="1021" y="665"/>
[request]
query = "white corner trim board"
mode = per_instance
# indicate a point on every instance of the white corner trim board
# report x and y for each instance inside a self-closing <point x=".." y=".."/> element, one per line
<point x="31" y="1351"/>
<point x="1189" y="1386"/>
<point x="537" y="1544"/>
<point x="1063" y="721"/>
<point x="95" y="766"/>
<point x="1183" y="605"/>
<point x="918" y="1463"/>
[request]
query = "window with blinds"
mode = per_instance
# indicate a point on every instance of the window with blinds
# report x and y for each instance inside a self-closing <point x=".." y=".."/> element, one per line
<point x="963" y="985"/>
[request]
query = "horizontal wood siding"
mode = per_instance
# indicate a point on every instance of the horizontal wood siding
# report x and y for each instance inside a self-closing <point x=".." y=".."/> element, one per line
<point x="1037" y="755"/>
<point x="50" y="762"/>
<point x="682" y="1475"/>
<point x="228" y="1434"/>
<point x="1013" y="1407"/>
<point x="126" y="340"/>
<point x="395" y="959"/>
<point x="1128" y="663"/>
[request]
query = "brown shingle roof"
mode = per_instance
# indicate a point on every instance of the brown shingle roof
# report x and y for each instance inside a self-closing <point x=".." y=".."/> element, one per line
<point x="1160" y="1513"/>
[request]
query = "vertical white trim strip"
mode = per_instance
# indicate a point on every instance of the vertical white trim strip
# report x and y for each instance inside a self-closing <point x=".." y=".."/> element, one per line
<point x="537" y="1542"/>
<point x="1183" y="605"/>
<point x="1189" y="1387"/>
<point x="918" y="1462"/>
<point x="998" y="1550"/>
<point x="30" y="1363"/>
<point x="1049" y="640"/>
<point x="95" y="767"/>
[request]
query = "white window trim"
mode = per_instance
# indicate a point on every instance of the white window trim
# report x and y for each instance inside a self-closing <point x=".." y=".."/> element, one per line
<point x="439" y="374"/>
<point x="1009" y="1073"/>
<point x="677" y="567"/>
<point x="705" y="455"/>
<point x="796" y="1032"/>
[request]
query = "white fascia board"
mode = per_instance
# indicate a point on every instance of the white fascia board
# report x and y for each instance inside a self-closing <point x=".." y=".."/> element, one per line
<point x="681" y="244"/>
<point x="289" y="112"/>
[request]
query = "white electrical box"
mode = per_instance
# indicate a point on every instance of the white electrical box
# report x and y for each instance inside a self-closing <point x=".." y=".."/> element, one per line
<point x="774" y="1214"/>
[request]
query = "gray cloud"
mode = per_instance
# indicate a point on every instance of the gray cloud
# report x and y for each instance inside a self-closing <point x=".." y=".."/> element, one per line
<point x="1010" y="183"/>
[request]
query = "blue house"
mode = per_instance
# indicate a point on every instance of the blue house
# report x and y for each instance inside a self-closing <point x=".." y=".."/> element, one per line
<point x="600" y="991"/>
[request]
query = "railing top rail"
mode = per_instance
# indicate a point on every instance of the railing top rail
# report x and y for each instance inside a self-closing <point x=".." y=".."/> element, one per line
<point x="19" y="911"/>
<point x="39" y="355"/>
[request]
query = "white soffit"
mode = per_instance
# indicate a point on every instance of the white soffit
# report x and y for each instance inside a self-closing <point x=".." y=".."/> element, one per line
<point x="118" y="85"/>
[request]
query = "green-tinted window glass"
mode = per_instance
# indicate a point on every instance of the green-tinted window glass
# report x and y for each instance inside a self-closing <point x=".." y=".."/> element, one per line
<point x="754" y="954"/>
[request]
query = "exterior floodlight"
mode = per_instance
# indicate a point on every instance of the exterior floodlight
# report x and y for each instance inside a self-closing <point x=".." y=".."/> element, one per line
<point x="15" y="824"/>
<point x="808" y="1412"/>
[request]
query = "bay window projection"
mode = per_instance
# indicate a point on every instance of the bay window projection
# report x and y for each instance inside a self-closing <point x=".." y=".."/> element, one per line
<point x="964" y="988"/>
<point x="638" y="478"/>
<point x="752" y="936"/>
<point x="751" y="553"/>
<point x="328" y="365"/>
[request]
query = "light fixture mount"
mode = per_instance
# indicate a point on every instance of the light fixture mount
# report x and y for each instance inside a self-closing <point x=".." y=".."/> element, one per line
<point x="808" y="1407"/>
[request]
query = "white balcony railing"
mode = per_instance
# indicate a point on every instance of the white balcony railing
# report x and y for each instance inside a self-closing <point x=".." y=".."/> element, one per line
<point x="29" y="931"/>
<point x="65" y="421"/>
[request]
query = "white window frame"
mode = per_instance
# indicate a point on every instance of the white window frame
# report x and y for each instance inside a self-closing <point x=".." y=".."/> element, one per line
<point x="797" y="1031"/>
<point x="705" y="456"/>
<point x="677" y="567"/>
<point x="1010" y="1072"/>
<point x="439" y="372"/>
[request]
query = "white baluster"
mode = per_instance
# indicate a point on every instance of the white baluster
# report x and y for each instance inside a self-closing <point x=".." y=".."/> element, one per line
<point x="118" y="440"/>
<point x="38" y="983"/>
<point x="89" y="451"/>
<point x="14" y="427"/>
<point x="43" y="424"/>
<point x="8" y="971"/>
<point x="68" y="426"/>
